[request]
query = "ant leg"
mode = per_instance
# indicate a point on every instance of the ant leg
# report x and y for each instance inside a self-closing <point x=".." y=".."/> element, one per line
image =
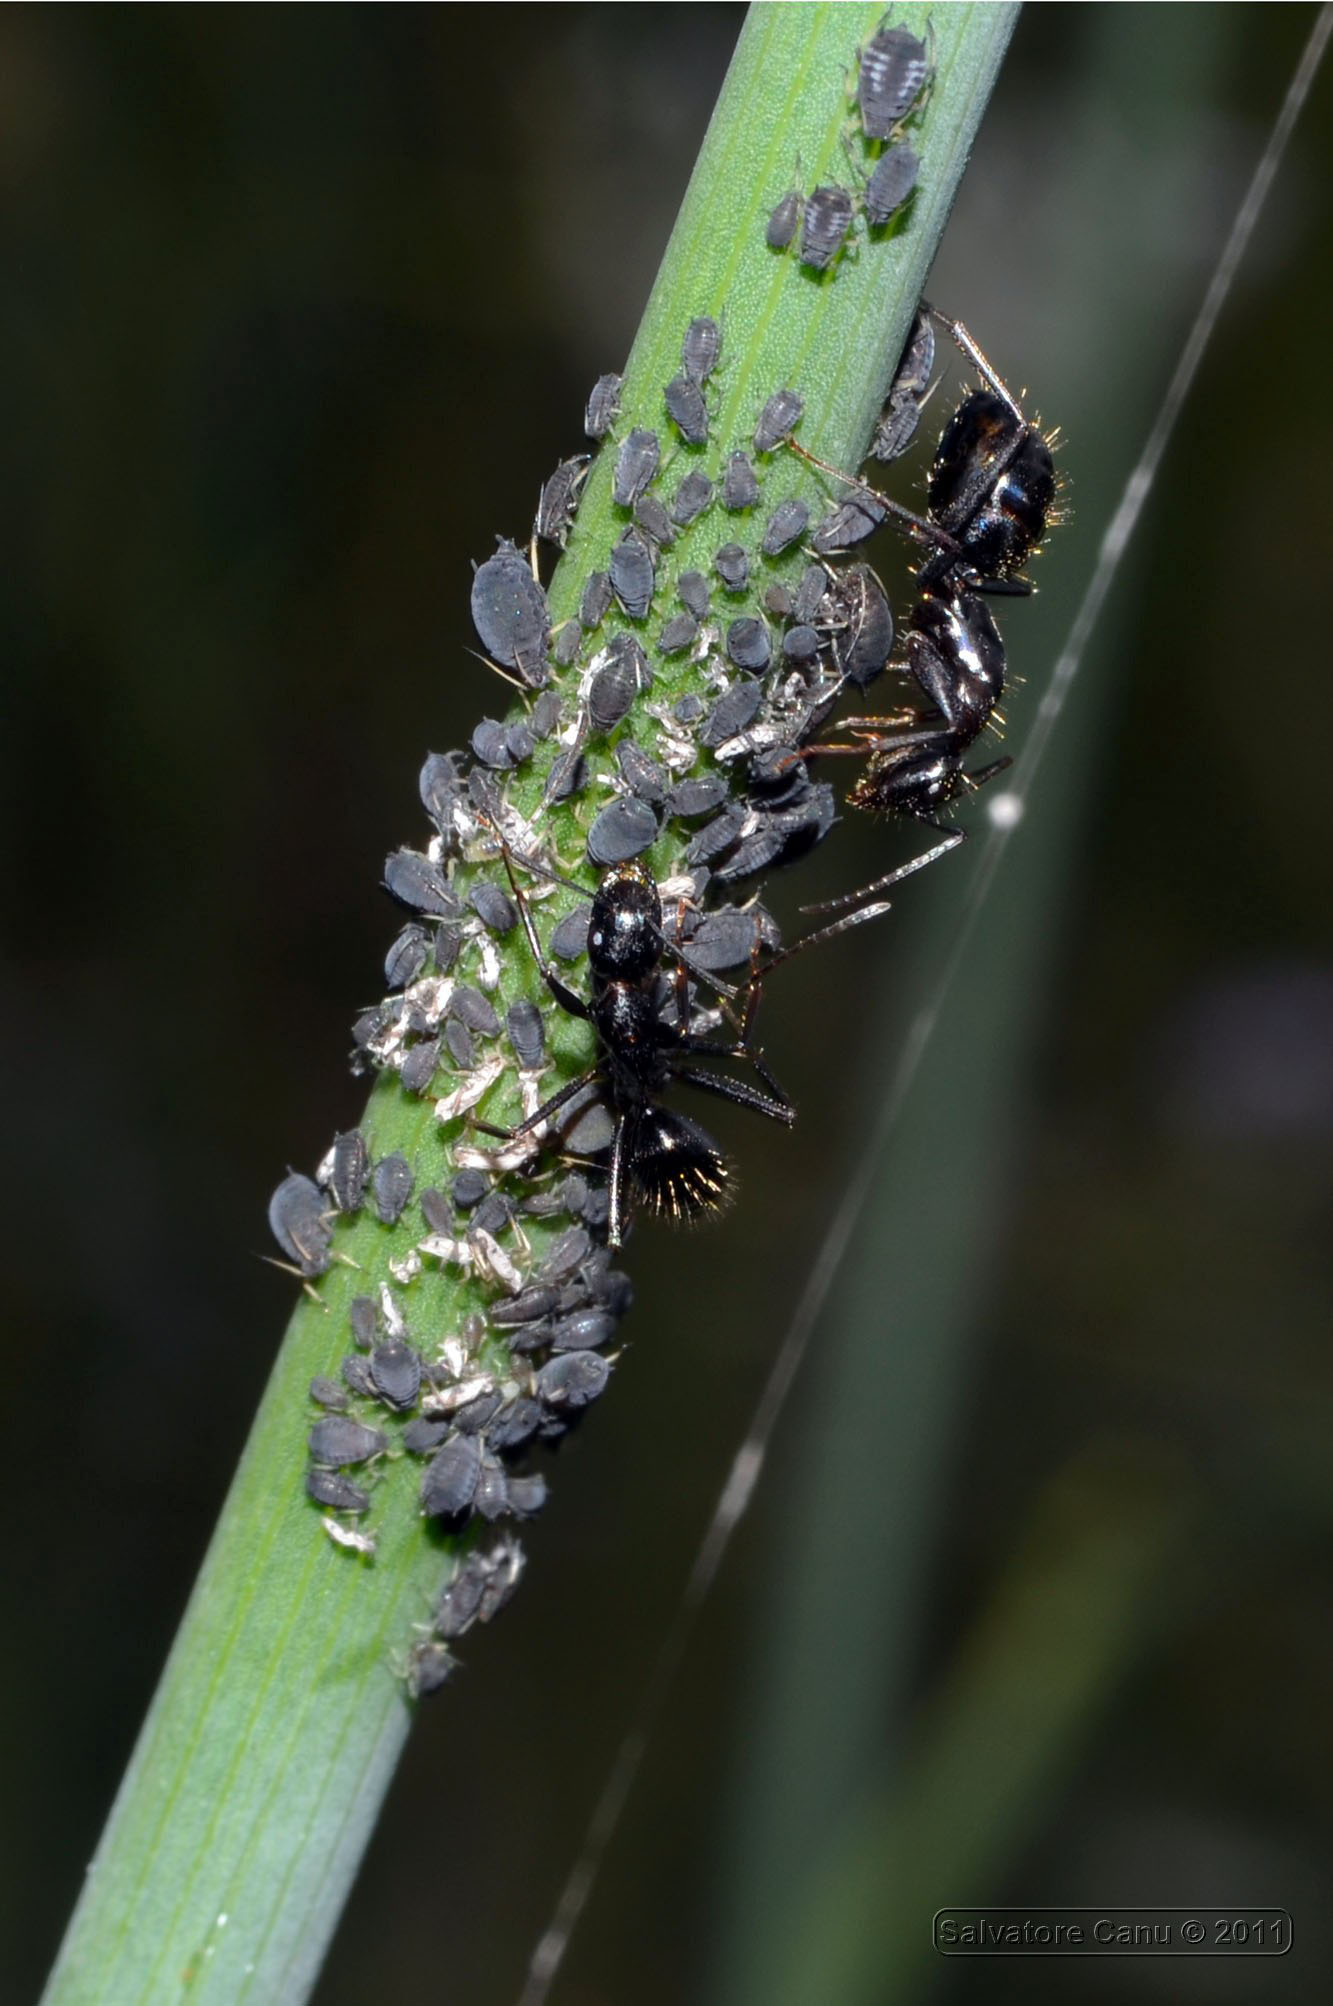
<point x="984" y="369"/>
<point x="827" y="933"/>
<point x="563" y="995"/>
<point x="918" y="525"/>
<point x="616" y="1221"/>
<point x="544" y="1112"/>
<point x="738" y="1093"/>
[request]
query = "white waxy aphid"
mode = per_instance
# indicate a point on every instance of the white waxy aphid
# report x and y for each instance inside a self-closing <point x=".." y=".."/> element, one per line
<point x="447" y="1399"/>
<point x="390" y="1309"/>
<point x="348" y="1536"/>
<point x="441" y="1247"/>
<point x="493" y="1262"/>
<point x="408" y="1268"/>
<point x="497" y="1161"/>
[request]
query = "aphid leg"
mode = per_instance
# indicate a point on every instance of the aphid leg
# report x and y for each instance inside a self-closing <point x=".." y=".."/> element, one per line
<point x="988" y="374"/>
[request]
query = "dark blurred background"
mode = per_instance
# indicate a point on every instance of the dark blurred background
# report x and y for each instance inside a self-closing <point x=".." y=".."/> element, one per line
<point x="299" y="307"/>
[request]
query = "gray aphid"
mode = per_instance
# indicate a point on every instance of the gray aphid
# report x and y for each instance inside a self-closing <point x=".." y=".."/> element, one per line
<point x="828" y="218"/>
<point x="783" y="221"/>
<point x="516" y="1425"/>
<point x="519" y="736"/>
<point x="686" y="406"/>
<point x="892" y="71"/>
<point x="559" y="500"/>
<point x="800" y="645"/>
<point x="654" y="521"/>
<point x="357" y="1374"/>
<point x="679" y="633"/>
<point x="490" y="744"/>
<point x="569" y="939"/>
<point x="420" y="1066"/>
<point x="422" y="1436"/>
<point x="339" y="1442"/>
<point x="468" y="1188"/>
<point x="740" y="483"/>
<point x="732" y="566"/>
<point x="475" y="1010"/>
<point x="351" y="1167"/>
<point x="692" y="497"/>
<point x="733" y="711"/>
<point x="636" y="466"/>
<point x="328" y="1393"/>
<point x="545" y="714"/>
<point x="526" y="1495"/>
<point x="718" y="836"/>
<point x="449" y="1481"/>
<point x="891" y="183"/>
<point x="361" y="1316"/>
<point x="786" y="526"/>
<point x="407" y="957"/>
<point x="566" y="645"/>
<point x="460" y="1602"/>
<point x="461" y="1048"/>
<point x="624" y="829"/>
<point x="595" y="601"/>
<point x="395" y="1371"/>
<point x="727" y="938"/>
<point x="777" y="420"/>
<point x="850" y="523"/>
<point x="692" y="798"/>
<point x="438" y="785"/>
<point x="701" y="348"/>
<point x="336" y="1493"/>
<point x="510" y="614"/>
<point x="428" y="1668"/>
<point x="566" y="775"/>
<point x="856" y="609"/>
<point x="417" y="882"/>
<point x="632" y="573"/>
<point x="494" y="908"/>
<point x="748" y="644"/>
<point x="527" y="1033"/>
<point x="297" y="1221"/>
<point x="615" y="685"/>
<point x="692" y="591"/>
<point x="392" y="1186"/>
<point x="603" y="406"/>
<point x="529" y="1306"/>
<point x="810" y="589"/>
<point x="642" y="775"/>
<point x="566" y="1255"/>
<point x="572" y="1380"/>
<point x="777" y="600"/>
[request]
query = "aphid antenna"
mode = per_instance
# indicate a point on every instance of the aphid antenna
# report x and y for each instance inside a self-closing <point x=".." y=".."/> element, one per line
<point x="928" y="532"/>
<point x="503" y="674"/>
<point x="307" y="1285"/>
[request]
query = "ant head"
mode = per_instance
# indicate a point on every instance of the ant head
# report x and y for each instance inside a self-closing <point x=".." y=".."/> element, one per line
<point x="625" y="940"/>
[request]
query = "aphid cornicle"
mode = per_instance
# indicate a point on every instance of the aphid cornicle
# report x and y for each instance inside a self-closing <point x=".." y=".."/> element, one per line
<point x="660" y="1161"/>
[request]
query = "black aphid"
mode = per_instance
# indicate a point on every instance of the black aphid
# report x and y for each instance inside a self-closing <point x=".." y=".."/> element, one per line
<point x="357" y="1374"/>
<point x="419" y="1066"/>
<point x="689" y="799"/>
<point x="687" y="409"/>
<point x="339" y="1442"/>
<point x="636" y="466"/>
<point x="407" y="957"/>
<point x="493" y="908"/>
<point x="810" y="589"/>
<point x="566" y="775"/>
<point x="569" y="938"/>
<point x="828" y="218"/>
<point x="449" y="1481"/>
<point x="603" y="406"/>
<point x="729" y="937"/>
<point x="422" y="1436"/>
<point x="527" y="1033"/>
<point x="777" y="420"/>
<point x="893" y="180"/>
<point x="328" y="1393"/>
<point x="786" y="526"/>
<point x="528" y="1306"/>
<point x="565" y="648"/>
<point x="653" y="520"/>
<point x="616" y="682"/>
<point x="595" y="601"/>
<point x="510" y="614"/>
<point x="459" y="1044"/>
<point x="298" y="1222"/>
<point x="490" y="744"/>
<point x="417" y="882"/>
<point x="439" y="786"/>
<point x="642" y="775"/>
<point x="892" y="70"/>
<point x="897" y="423"/>
<point x="783" y="221"/>
<point x="679" y="633"/>
<point x="748" y="644"/>
<point x="392" y="1186"/>
<point x="477" y="1011"/>
<point x="718" y="836"/>
<point x="349" y="1170"/>
<point x="448" y="944"/>
<point x="395" y="1370"/>
<point x="850" y="522"/>
<point x="559" y="500"/>
<point x="659" y="1159"/>
<point x="632" y="573"/>
<point x="546" y="713"/>
<point x="573" y="1380"/>
<point x="740" y="483"/>
<point x="565" y="1256"/>
<point x="733" y="711"/>
<point x="361" y="1316"/>
<point x="777" y="600"/>
<point x="524" y="1496"/>
<point x="692" y="497"/>
<point x="519" y="736"/>
<point x="494" y="1215"/>
<point x="856" y="613"/>
<point x="624" y="829"/>
<point x="800" y="645"/>
<point x="701" y="348"/>
<point x="732" y="566"/>
<point x="468" y="1188"/>
<point x="692" y="591"/>
<point x="336" y="1493"/>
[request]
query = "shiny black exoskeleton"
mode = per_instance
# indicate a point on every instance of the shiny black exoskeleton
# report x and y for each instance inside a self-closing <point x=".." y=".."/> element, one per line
<point x="991" y="489"/>
<point x="659" y="1160"/>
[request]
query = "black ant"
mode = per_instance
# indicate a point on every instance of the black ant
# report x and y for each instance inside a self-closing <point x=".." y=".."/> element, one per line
<point x="660" y="1160"/>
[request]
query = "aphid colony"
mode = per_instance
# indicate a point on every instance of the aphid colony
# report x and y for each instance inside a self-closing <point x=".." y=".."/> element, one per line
<point x="776" y="622"/>
<point x="892" y="84"/>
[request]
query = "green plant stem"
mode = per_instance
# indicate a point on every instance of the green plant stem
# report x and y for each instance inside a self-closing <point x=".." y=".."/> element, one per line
<point x="261" y="1767"/>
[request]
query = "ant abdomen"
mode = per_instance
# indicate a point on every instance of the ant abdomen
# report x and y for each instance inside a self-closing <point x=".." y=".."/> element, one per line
<point x="991" y="487"/>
